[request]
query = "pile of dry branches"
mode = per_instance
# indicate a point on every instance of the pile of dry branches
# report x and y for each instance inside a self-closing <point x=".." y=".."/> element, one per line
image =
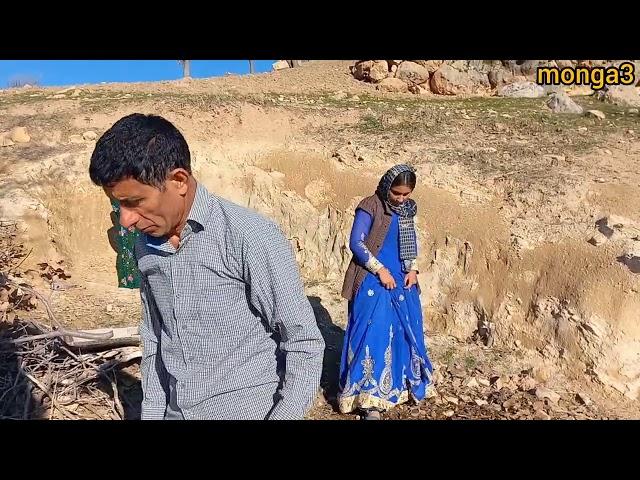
<point x="50" y="371"/>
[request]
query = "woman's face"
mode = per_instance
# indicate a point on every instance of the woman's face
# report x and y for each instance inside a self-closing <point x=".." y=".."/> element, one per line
<point x="399" y="194"/>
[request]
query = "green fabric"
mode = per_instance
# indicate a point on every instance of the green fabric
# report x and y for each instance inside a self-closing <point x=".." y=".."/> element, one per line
<point x="128" y="274"/>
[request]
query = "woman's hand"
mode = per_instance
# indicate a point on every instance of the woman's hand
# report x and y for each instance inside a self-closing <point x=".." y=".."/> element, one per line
<point x="410" y="279"/>
<point x="386" y="279"/>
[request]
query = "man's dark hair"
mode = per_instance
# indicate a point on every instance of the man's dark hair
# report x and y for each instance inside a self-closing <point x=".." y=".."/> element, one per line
<point x="143" y="147"/>
<point x="405" y="179"/>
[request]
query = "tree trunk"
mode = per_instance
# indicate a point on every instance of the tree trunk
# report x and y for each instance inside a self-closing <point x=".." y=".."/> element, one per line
<point x="186" y="68"/>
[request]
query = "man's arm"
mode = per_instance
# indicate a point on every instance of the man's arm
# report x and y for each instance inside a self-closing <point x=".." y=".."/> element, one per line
<point x="271" y="271"/>
<point x="155" y="385"/>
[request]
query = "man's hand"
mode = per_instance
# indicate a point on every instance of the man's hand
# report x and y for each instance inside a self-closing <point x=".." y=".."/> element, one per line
<point x="410" y="279"/>
<point x="386" y="278"/>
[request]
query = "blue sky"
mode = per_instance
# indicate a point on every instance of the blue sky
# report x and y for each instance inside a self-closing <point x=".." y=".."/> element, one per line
<point x="72" y="72"/>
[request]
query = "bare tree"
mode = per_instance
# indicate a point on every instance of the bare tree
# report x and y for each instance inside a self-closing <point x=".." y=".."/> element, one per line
<point x="186" y="68"/>
<point x="18" y="81"/>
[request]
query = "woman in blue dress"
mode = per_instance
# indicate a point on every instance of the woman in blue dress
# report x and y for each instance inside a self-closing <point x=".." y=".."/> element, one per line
<point x="384" y="358"/>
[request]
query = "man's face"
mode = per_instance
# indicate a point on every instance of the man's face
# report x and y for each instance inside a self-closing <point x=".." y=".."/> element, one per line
<point x="156" y="212"/>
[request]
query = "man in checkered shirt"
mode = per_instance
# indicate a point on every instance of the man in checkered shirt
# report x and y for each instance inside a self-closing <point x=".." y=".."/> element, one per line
<point x="227" y="331"/>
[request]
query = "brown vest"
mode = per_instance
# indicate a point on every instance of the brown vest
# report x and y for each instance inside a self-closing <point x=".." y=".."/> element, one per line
<point x="381" y="215"/>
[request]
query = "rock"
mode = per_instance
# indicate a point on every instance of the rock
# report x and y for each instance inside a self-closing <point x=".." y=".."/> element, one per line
<point x="543" y="392"/>
<point x="631" y="257"/>
<point x="89" y="136"/>
<point x="541" y="415"/>
<point x="449" y="413"/>
<point x="527" y="384"/>
<point x="339" y="96"/>
<point x="633" y="111"/>
<point x="521" y="90"/>
<point x="453" y="400"/>
<point x="538" y="405"/>
<point x="58" y="96"/>
<point x="598" y="239"/>
<point x="76" y="139"/>
<point x="480" y="402"/>
<point x="583" y="399"/>
<point x="393" y="85"/>
<point x="564" y="63"/>
<point x="20" y="135"/>
<point x="596" y="114"/>
<point x="109" y="308"/>
<point x="496" y="78"/>
<point x="6" y="141"/>
<point x="484" y="382"/>
<point x="498" y="382"/>
<point x="479" y="78"/>
<point x="379" y="71"/>
<point x="473" y="383"/>
<point x="361" y="69"/>
<point x="561" y="103"/>
<point x="623" y="95"/>
<point x="318" y="192"/>
<point x="430" y="65"/>
<point x="449" y="81"/>
<point x="280" y="65"/>
<point x="355" y="98"/>
<point x="393" y="69"/>
<point x="412" y="72"/>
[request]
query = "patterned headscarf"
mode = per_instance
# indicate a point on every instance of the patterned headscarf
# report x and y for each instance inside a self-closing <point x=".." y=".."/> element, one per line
<point x="405" y="212"/>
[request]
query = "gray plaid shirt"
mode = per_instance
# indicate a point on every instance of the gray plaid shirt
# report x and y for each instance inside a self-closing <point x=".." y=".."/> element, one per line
<point x="227" y="330"/>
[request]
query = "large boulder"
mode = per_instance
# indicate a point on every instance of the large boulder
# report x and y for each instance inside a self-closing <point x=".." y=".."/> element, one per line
<point x="449" y="81"/>
<point x="392" y="85"/>
<point x="521" y="90"/>
<point x="560" y="102"/>
<point x="412" y="72"/>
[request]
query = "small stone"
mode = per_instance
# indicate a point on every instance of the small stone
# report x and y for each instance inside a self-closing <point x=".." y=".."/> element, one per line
<point x="473" y="383"/>
<point x="583" y="399"/>
<point x="596" y="114"/>
<point x="400" y="109"/>
<point x="582" y="129"/>
<point x="538" y="405"/>
<point x="607" y="151"/>
<point x="480" y="402"/>
<point x="497" y="382"/>
<point x="518" y="344"/>
<point x="484" y="382"/>
<point x="633" y="110"/>
<point x="6" y="142"/>
<point x="355" y="98"/>
<point x="20" y="135"/>
<point x="543" y="392"/>
<point x="527" y="384"/>
<point x="598" y="239"/>
<point x="109" y="308"/>
<point x="59" y="96"/>
<point x="453" y="400"/>
<point x="630" y="132"/>
<point x="541" y="415"/>
<point x="89" y="136"/>
<point x="449" y="413"/>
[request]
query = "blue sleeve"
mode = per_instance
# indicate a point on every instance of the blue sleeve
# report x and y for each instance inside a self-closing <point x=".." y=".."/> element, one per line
<point x="359" y="232"/>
